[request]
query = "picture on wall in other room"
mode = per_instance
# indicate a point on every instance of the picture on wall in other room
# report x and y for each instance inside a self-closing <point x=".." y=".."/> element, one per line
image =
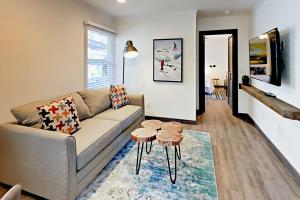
<point x="167" y="60"/>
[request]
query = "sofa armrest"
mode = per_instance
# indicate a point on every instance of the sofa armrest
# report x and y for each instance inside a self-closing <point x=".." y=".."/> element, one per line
<point x="43" y="162"/>
<point x="136" y="99"/>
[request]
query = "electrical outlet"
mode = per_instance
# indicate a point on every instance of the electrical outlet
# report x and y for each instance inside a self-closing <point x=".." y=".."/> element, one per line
<point x="148" y="105"/>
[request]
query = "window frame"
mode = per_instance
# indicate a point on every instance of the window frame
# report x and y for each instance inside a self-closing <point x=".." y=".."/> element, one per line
<point x="92" y="26"/>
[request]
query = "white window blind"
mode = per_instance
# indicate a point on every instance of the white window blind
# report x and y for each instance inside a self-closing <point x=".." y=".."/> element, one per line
<point x="99" y="57"/>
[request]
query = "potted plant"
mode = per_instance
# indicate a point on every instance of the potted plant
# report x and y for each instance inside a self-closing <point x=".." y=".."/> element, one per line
<point x="246" y="80"/>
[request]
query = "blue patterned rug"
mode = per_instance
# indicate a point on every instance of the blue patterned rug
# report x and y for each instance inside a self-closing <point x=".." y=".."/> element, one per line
<point x="195" y="173"/>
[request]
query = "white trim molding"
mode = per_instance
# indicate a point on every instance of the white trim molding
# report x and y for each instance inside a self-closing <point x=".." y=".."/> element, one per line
<point x="89" y="23"/>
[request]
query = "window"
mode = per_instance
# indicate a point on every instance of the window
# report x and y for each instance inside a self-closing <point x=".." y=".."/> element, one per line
<point x="99" y="57"/>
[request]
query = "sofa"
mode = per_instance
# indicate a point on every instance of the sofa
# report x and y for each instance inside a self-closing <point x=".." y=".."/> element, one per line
<point x="59" y="166"/>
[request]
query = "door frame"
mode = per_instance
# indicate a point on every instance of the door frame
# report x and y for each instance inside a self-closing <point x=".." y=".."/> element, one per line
<point x="202" y="34"/>
<point x="228" y="74"/>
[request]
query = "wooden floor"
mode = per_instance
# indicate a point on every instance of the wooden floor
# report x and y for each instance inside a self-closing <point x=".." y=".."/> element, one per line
<point x="246" y="167"/>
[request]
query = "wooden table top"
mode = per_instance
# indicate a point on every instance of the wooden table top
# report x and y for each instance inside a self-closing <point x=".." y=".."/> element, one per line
<point x="155" y="124"/>
<point x="173" y="126"/>
<point x="169" y="137"/>
<point x="143" y="135"/>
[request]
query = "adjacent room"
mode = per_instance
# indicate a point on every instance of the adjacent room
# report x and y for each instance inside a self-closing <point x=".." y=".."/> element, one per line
<point x="217" y="66"/>
<point x="160" y="100"/>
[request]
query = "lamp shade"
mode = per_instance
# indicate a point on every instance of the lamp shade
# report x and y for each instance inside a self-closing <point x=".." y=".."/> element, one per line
<point x="130" y="51"/>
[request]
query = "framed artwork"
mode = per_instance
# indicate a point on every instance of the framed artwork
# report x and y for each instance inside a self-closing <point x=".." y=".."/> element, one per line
<point x="167" y="60"/>
<point x="258" y="53"/>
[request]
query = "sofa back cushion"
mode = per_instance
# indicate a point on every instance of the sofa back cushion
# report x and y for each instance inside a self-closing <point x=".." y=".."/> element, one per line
<point x="96" y="99"/>
<point x="81" y="107"/>
<point x="28" y="115"/>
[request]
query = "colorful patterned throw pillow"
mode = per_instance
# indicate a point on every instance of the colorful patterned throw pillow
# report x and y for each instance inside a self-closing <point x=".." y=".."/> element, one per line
<point x="118" y="96"/>
<point x="60" y="116"/>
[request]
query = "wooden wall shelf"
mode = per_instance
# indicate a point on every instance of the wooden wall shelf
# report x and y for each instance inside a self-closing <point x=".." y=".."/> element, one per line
<point x="279" y="106"/>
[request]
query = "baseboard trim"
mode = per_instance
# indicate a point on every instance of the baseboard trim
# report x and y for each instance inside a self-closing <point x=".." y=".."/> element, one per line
<point x="184" y="121"/>
<point x="245" y="117"/>
<point x="281" y="157"/>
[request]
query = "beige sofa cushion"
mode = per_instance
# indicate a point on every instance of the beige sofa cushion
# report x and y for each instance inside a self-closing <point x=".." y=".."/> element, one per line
<point x="93" y="137"/>
<point x="28" y="115"/>
<point x="126" y="115"/>
<point x="96" y="99"/>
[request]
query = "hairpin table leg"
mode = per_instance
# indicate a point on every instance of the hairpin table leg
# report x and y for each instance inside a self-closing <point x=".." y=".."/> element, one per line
<point x="148" y="151"/>
<point x="139" y="158"/>
<point x="173" y="180"/>
<point x="178" y="153"/>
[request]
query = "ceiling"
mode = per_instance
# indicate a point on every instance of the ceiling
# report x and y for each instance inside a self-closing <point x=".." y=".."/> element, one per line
<point x="205" y="7"/>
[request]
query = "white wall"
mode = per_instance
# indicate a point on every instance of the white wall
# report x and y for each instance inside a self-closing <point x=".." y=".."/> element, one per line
<point x="42" y="49"/>
<point x="216" y="53"/>
<point x="239" y="22"/>
<point x="170" y="100"/>
<point x="284" y="133"/>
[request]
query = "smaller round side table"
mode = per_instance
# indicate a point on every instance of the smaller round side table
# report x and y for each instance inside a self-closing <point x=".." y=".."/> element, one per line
<point x="172" y="126"/>
<point x="155" y="124"/>
<point x="169" y="138"/>
<point x="141" y="136"/>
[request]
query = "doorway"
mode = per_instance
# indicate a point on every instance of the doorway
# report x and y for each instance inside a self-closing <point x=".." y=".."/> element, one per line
<point x="230" y="83"/>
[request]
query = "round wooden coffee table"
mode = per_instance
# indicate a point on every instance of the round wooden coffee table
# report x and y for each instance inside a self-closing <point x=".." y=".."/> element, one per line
<point x="172" y="126"/>
<point x="141" y="136"/>
<point x="155" y="124"/>
<point x="169" y="138"/>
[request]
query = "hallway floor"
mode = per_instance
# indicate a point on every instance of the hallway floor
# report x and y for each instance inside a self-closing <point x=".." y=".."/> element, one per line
<point x="246" y="166"/>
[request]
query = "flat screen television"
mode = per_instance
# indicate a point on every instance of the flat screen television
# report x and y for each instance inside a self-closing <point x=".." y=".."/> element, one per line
<point x="265" y="57"/>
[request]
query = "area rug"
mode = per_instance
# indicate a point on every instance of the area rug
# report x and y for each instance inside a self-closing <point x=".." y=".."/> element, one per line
<point x="195" y="173"/>
<point x="216" y="95"/>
